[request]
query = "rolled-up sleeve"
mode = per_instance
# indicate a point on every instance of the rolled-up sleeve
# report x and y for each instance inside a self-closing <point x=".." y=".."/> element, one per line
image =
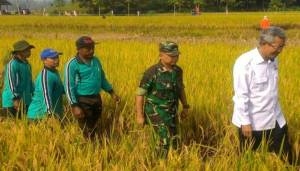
<point x="146" y="83"/>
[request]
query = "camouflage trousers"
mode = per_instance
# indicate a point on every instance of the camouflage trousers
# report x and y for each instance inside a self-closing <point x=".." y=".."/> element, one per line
<point x="166" y="133"/>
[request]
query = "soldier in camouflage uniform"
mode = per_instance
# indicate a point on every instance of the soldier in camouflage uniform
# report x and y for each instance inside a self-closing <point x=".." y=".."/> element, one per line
<point x="162" y="86"/>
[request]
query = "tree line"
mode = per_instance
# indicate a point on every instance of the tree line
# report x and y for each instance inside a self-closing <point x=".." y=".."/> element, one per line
<point x="163" y="6"/>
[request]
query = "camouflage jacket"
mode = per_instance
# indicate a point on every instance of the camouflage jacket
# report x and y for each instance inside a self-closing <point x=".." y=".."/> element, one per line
<point x="162" y="90"/>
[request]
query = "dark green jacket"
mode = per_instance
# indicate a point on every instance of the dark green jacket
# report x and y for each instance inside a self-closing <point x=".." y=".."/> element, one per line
<point x="48" y="95"/>
<point x="84" y="79"/>
<point x="17" y="83"/>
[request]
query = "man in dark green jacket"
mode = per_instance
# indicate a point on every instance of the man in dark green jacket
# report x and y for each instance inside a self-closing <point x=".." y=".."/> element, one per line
<point x="84" y="80"/>
<point x="18" y="85"/>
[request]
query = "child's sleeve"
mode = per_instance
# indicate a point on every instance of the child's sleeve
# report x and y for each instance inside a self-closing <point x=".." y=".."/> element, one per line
<point x="47" y="87"/>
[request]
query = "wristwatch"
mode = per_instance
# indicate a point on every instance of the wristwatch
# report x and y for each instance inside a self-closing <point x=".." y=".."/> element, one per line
<point x="185" y="106"/>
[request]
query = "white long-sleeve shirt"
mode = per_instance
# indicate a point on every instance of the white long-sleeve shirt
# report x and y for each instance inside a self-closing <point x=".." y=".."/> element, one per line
<point x="256" y="92"/>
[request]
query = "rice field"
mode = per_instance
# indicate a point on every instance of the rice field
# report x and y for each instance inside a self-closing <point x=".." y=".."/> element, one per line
<point x="209" y="45"/>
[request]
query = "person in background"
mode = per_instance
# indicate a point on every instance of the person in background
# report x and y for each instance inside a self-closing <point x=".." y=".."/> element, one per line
<point x="265" y="23"/>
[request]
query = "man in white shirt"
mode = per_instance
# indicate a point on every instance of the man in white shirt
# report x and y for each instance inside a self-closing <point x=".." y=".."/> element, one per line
<point x="257" y="112"/>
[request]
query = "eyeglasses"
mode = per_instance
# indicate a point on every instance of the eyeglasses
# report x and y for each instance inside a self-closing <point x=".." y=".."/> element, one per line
<point x="277" y="47"/>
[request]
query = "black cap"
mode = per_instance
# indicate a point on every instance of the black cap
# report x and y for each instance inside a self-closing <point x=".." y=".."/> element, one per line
<point x="85" y="41"/>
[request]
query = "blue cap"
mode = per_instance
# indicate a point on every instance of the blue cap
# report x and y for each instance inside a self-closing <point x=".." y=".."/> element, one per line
<point x="49" y="53"/>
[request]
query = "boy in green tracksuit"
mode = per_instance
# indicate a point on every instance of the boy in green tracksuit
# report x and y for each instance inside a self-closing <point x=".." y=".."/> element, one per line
<point x="158" y="94"/>
<point x="18" y="85"/>
<point x="84" y="79"/>
<point x="49" y="89"/>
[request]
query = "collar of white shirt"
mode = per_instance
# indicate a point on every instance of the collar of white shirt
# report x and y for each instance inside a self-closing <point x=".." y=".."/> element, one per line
<point x="257" y="58"/>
